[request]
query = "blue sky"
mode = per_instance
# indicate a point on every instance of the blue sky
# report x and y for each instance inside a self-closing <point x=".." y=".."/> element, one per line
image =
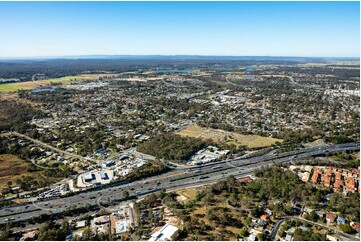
<point x="174" y="28"/>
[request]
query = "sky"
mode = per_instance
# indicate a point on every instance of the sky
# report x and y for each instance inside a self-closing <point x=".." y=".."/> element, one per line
<point x="315" y="29"/>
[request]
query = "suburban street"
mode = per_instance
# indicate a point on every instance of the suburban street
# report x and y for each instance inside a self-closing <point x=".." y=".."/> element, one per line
<point x="38" y="142"/>
<point x="278" y="225"/>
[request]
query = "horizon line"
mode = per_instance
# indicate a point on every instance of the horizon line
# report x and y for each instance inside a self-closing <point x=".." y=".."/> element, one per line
<point x="90" y="56"/>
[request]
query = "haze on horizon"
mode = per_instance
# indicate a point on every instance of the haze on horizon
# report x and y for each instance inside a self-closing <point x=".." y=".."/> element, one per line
<point x="314" y="29"/>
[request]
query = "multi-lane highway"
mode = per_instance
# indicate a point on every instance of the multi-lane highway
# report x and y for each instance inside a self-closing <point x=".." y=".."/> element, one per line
<point x="179" y="177"/>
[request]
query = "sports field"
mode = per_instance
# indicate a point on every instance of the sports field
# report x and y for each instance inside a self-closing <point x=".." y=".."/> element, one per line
<point x="218" y="135"/>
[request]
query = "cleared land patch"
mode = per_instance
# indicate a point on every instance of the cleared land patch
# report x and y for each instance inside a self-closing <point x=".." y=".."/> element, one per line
<point x="12" y="168"/>
<point x="218" y="135"/>
<point x="188" y="194"/>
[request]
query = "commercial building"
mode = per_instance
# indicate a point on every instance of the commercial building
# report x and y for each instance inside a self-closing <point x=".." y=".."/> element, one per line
<point x="108" y="164"/>
<point x="103" y="175"/>
<point x="164" y="234"/>
<point x="88" y="177"/>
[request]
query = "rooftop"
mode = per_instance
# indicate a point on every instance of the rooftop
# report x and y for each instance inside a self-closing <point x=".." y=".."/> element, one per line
<point x="165" y="233"/>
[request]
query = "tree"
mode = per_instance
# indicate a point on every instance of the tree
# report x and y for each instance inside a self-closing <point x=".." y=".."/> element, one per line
<point x="125" y="194"/>
<point x="311" y="216"/>
<point x="261" y="237"/>
<point x="5" y="232"/>
<point x="281" y="233"/>
<point x="207" y="199"/>
<point x="346" y="228"/>
<point x="244" y="232"/>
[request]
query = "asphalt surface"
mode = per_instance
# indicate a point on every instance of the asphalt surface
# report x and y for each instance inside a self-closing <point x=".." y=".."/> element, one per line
<point x="179" y="177"/>
<point x="276" y="228"/>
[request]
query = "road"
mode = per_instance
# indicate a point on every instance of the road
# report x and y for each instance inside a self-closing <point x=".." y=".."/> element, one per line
<point x="278" y="224"/>
<point x="173" y="180"/>
<point x="276" y="228"/>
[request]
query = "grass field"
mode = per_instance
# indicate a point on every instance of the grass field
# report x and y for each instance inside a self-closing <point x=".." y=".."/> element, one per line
<point x="251" y="141"/>
<point x="13" y="87"/>
<point x="12" y="168"/>
<point x="68" y="79"/>
<point x="189" y="194"/>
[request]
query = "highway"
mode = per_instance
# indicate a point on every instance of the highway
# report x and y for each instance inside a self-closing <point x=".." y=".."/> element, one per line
<point x="178" y="178"/>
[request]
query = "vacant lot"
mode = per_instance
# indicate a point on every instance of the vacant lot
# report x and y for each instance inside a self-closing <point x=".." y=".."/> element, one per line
<point x="13" y="87"/>
<point x="12" y="168"/>
<point x="218" y="135"/>
<point x="11" y="96"/>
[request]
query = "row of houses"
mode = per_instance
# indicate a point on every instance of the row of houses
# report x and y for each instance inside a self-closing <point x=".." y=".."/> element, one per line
<point x="341" y="180"/>
<point x="332" y="218"/>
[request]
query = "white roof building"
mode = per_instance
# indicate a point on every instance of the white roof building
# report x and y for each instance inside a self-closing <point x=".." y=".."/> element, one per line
<point x="81" y="224"/>
<point x="288" y="238"/>
<point x="88" y="176"/>
<point x="164" y="234"/>
<point x="251" y="237"/>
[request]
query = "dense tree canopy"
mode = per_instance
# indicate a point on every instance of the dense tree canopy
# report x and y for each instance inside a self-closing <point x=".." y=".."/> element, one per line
<point x="172" y="147"/>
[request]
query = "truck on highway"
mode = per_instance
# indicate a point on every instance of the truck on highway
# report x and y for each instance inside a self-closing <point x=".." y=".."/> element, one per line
<point x="217" y="167"/>
<point x="203" y="177"/>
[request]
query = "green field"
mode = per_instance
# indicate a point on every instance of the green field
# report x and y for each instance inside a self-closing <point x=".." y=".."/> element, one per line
<point x="13" y="87"/>
<point x="68" y="79"/>
<point x="217" y="135"/>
